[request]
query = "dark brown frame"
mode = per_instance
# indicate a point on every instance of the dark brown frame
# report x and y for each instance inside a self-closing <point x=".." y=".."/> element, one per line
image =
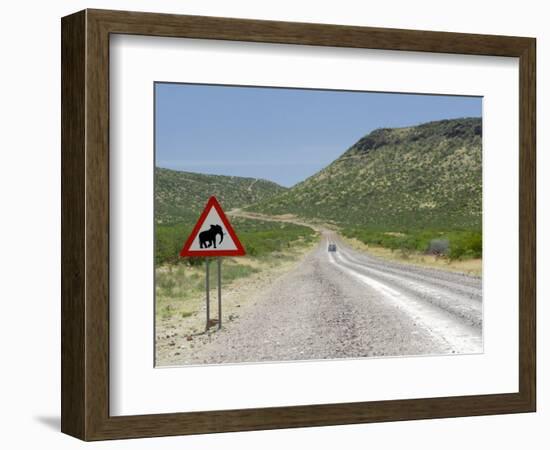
<point x="85" y="224"/>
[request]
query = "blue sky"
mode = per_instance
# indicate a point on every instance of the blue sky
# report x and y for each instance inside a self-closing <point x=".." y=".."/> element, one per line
<point x="283" y="135"/>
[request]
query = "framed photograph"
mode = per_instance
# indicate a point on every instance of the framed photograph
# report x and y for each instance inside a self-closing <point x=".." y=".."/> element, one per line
<point x="273" y="225"/>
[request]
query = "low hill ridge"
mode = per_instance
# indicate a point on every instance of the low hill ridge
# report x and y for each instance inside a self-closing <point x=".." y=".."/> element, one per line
<point x="425" y="176"/>
<point x="181" y="196"/>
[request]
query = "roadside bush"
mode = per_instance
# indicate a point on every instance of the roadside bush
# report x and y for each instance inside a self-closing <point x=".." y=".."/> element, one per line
<point x="467" y="246"/>
<point x="438" y="247"/>
<point x="453" y="244"/>
<point x="168" y="242"/>
<point x="194" y="261"/>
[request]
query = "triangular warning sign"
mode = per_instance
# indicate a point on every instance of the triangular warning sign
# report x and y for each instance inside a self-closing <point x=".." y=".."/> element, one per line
<point x="213" y="235"/>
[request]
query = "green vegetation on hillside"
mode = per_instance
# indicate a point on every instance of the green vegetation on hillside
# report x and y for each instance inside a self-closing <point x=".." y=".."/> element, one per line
<point x="414" y="189"/>
<point x="414" y="178"/>
<point x="181" y="196"/>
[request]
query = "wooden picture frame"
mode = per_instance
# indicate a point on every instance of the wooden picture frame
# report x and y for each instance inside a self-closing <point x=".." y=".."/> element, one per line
<point x="85" y="224"/>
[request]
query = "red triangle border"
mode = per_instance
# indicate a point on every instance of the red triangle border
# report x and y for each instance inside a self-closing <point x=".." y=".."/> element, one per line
<point x="212" y="203"/>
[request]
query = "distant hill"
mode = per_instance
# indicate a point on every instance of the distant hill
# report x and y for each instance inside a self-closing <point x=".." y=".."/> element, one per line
<point x="426" y="176"/>
<point x="181" y="196"/>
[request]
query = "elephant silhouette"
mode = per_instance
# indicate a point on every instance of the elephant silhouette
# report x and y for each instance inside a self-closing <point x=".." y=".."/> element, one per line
<point x="207" y="238"/>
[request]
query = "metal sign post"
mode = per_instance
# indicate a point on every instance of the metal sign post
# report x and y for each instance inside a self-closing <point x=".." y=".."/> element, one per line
<point x="207" y="293"/>
<point x="219" y="293"/>
<point x="207" y="263"/>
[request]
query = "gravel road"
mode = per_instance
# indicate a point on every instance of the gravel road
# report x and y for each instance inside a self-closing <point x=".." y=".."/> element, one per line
<point x="347" y="304"/>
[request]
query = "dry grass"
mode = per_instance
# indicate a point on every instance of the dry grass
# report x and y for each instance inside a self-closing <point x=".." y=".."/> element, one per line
<point x="468" y="266"/>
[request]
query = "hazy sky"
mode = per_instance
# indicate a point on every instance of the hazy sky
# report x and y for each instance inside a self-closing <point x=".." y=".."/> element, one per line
<point x="283" y="135"/>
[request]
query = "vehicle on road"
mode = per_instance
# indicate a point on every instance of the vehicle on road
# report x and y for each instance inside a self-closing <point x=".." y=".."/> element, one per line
<point x="331" y="247"/>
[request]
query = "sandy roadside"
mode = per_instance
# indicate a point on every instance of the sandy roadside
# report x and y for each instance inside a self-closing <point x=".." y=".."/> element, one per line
<point x="175" y="335"/>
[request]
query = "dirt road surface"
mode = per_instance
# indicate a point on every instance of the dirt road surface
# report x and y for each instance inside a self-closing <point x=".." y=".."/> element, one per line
<point x="347" y="304"/>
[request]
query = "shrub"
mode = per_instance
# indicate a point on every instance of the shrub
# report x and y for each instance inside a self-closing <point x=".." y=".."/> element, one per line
<point x="439" y="247"/>
<point x="454" y="244"/>
<point x="467" y="246"/>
